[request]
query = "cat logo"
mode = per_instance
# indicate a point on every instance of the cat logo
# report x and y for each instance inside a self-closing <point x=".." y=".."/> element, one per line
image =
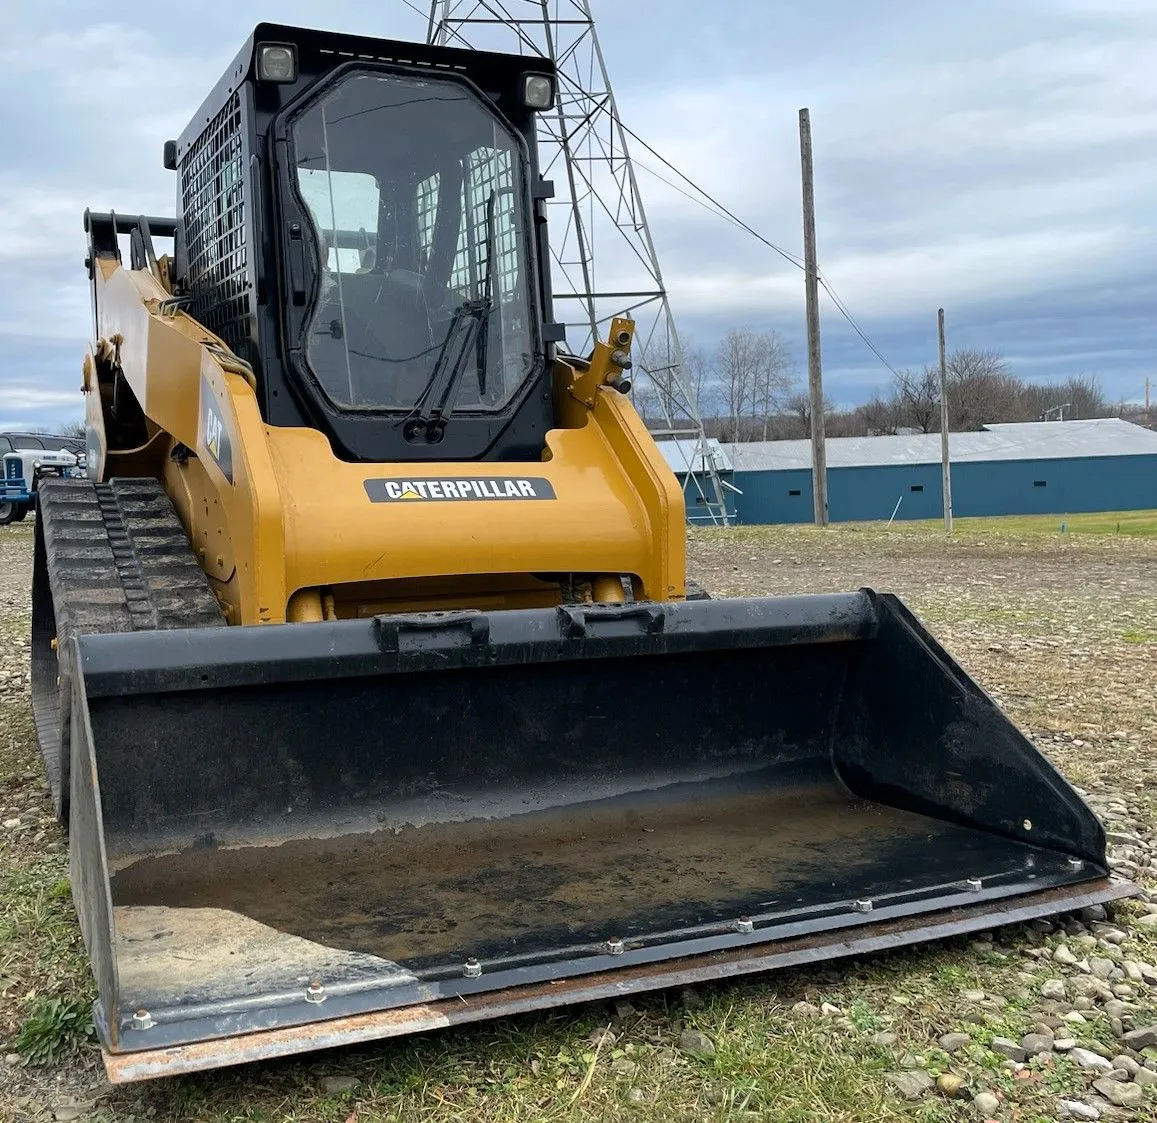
<point x="486" y="488"/>
<point x="213" y="431"/>
<point x="213" y="436"/>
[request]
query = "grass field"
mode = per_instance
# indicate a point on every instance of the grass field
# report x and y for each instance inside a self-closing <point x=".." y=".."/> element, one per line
<point x="1139" y="524"/>
<point x="1132" y="524"/>
<point x="1059" y="628"/>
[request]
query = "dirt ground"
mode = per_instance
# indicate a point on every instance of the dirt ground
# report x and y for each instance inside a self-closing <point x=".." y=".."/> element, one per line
<point x="1060" y="629"/>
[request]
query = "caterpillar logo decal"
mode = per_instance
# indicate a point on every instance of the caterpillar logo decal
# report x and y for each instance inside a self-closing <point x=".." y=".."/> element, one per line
<point x="458" y="488"/>
<point x="213" y="436"/>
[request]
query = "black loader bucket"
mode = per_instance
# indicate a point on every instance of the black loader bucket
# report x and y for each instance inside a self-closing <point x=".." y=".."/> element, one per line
<point x="291" y="837"/>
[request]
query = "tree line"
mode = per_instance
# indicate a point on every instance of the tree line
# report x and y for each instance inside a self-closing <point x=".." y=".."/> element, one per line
<point x="748" y="389"/>
<point x="981" y="391"/>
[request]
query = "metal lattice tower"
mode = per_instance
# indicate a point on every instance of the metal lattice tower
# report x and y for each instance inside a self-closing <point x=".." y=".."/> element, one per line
<point x="604" y="260"/>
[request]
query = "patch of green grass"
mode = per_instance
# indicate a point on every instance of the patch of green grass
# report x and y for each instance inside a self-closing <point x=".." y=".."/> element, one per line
<point x="952" y="975"/>
<point x="40" y="940"/>
<point x="769" y="1064"/>
<point x="60" y="891"/>
<point x="1135" y="524"/>
<point x="862" y="1017"/>
<point x="1139" y="636"/>
<point x="56" y="1028"/>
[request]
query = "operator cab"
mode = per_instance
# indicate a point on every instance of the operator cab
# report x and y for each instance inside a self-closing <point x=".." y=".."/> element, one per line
<point x="362" y="221"/>
<point x="414" y="192"/>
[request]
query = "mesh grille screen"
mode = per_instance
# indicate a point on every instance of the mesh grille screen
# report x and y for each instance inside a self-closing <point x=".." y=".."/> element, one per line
<point x="213" y="208"/>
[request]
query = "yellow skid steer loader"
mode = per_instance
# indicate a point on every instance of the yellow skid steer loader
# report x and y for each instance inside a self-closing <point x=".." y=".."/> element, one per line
<point x="365" y="673"/>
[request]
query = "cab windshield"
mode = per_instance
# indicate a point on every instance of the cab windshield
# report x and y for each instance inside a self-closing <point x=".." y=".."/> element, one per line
<point x="417" y="197"/>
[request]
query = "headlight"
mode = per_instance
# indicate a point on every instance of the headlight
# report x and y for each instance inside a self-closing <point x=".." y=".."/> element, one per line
<point x="538" y="91"/>
<point x="276" y="62"/>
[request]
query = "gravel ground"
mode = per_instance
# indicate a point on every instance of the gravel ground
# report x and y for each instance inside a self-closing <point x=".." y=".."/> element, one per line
<point x="1053" y="1020"/>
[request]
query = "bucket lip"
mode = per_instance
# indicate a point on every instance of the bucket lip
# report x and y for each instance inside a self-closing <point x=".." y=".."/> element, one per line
<point x="177" y="1025"/>
<point x="125" y="1065"/>
<point x="208" y="658"/>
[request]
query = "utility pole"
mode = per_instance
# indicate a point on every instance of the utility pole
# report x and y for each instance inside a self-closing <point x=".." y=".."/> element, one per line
<point x="945" y="465"/>
<point x="812" y="290"/>
<point x="1146" y="403"/>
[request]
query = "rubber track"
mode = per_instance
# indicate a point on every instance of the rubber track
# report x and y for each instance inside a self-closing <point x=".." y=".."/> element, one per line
<point x="115" y="558"/>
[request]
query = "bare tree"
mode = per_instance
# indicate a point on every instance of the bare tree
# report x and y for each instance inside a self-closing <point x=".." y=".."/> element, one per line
<point x="648" y="394"/>
<point x="1087" y="398"/>
<point x="700" y="377"/>
<point x="1076" y="397"/>
<point x="72" y="429"/>
<point x="980" y="389"/>
<point x="754" y="371"/>
<point x="973" y="364"/>
<point x="845" y="423"/>
<point x="743" y="390"/>
<point x="735" y="362"/>
<point x="917" y="397"/>
<point x="880" y="415"/>
<point x="774" y="377"/>
<point x="798" y="411"/>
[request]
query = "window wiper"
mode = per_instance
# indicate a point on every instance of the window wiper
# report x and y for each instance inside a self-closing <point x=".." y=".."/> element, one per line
<point x="487" y="295"/>
<point x="445" y="377"/>
<point x="471" y="322"/>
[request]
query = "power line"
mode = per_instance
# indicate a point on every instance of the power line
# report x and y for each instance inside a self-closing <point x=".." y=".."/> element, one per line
<point x="720" y="211"/>
<point x="687" y="195"/>
<point x="824" y="283"/>
<point x="734" y="218"/>
<point x="855" y="325"/>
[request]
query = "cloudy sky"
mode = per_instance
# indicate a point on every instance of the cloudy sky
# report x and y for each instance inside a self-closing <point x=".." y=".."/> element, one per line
<point x="995" y="157"/>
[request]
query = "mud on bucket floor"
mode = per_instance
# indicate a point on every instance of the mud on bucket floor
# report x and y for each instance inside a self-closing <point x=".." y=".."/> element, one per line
<point x="433" y="896"/>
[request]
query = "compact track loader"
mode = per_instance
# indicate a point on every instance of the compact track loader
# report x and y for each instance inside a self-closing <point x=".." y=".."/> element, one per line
<point x="364" y="668"/>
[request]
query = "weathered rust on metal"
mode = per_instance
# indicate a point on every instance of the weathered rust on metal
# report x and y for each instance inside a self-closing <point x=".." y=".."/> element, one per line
<point x="125" y="1068"/>
<point x="869" y="938"/>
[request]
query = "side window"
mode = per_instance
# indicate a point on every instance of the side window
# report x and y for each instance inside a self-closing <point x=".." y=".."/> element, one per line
<point x="487" y="172"/>
<point x="427" y="212"/>
<point x="344" y="206"/>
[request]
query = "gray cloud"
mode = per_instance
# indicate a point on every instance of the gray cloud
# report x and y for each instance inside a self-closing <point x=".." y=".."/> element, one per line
<point x="989" y="157"/>
<point x="996" y="162"/>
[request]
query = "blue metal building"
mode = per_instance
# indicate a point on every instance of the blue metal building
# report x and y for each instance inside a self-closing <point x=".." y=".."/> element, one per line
<point x="1036" y="468"/>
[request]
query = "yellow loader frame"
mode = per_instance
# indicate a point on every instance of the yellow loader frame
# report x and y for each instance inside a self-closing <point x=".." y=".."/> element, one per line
<point x="285" y="530"/>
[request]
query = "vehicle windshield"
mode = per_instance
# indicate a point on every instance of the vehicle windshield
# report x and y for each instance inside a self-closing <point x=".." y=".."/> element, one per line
<point x="417" y="196"/>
